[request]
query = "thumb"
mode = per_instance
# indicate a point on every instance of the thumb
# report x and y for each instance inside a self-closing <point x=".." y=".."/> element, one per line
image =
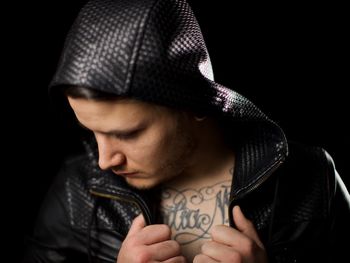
<point x="245" y="225"/>
<point x="137" y="224"/>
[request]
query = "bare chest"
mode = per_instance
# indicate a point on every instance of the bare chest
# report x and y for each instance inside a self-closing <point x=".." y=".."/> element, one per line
<point x="191" y="213"/>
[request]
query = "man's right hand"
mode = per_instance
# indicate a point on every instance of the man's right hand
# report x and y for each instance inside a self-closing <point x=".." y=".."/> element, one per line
<point x="149" y="244"/>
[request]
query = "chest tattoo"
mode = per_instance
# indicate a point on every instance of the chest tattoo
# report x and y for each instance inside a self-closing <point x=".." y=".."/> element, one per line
<point x="191" y="213"/>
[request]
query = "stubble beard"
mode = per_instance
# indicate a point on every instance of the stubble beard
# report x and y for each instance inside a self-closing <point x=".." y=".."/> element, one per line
<point x="176" y="163"/>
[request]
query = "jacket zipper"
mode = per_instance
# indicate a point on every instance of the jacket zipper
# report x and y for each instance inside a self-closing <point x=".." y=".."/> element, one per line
<point x="262" y="179"/>
<point x="132" y="200"/>
<point x="265" y="176"/>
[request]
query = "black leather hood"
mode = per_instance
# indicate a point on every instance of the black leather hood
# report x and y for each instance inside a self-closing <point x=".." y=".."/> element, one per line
<point x="153" y="50"/>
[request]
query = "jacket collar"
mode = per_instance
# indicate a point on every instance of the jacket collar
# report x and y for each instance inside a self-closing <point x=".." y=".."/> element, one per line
<point x="260" y="149"/>
<point x="259" y="154"/>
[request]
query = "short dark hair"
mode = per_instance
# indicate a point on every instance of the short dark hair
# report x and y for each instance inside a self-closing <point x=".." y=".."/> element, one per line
<point x="88" y="93"/>
<point x="98" y="95"/>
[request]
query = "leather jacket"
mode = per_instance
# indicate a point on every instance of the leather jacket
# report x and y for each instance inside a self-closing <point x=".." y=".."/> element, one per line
<point x="153" y="50"/>
<point x="298" y="207"/>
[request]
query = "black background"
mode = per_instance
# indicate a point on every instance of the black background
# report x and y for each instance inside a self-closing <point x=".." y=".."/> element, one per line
<point x="290" y="59"/>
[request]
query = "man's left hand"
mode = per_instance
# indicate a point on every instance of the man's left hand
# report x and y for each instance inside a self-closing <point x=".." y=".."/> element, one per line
<point x="241" y="245"/>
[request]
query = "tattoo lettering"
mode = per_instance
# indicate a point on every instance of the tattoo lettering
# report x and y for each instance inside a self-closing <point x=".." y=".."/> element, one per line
<point x="191" y="213"/>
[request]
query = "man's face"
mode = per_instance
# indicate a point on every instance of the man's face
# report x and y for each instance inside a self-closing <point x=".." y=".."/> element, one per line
<point x="144" y="143"/>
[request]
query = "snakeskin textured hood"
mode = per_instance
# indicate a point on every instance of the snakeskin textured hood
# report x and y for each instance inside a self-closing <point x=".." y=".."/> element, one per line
<point x="153" y="50"/>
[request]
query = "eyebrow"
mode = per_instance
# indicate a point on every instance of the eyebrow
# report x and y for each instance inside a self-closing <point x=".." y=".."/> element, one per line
<point x="117" y="132"/>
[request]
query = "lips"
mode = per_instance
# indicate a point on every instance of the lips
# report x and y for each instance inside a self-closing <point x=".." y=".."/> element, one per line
<point x="124" y="173"/>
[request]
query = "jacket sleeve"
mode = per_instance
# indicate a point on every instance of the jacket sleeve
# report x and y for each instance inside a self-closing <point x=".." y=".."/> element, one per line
<point x="52" y="239"/>
<point x="339" y="217"/>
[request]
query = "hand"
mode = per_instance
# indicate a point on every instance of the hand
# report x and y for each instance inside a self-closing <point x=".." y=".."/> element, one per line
<point x="233" y="245"/>
<point x="149" y="244"/>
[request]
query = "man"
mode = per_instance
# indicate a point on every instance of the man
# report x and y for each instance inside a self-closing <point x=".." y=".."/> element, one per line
<point x="179" y="168"/>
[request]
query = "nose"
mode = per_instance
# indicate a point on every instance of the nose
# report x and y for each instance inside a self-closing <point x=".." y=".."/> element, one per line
<point x="110" y="154"/>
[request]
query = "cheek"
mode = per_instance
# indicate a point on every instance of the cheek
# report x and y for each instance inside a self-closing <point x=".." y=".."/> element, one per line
<point x="157" y="143"/>
<point x="153" y="146"/>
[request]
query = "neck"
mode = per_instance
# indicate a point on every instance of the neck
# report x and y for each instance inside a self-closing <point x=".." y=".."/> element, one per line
<point x="212" y="159"/>
<point x="198" y="198"/>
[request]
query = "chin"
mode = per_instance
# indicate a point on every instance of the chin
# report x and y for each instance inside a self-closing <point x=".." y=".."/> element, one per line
<point x="142" y="184"/>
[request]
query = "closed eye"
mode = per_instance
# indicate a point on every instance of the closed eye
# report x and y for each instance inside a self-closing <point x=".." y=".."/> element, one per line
<point x="128" y="135"/>
<point x="121" y="135"/>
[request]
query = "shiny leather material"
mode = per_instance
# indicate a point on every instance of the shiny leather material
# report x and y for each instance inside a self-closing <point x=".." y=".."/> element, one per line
<point x="153" y="50"/>
<point x="299" y="211"/>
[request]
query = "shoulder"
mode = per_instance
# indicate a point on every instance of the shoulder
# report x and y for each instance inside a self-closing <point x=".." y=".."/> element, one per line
<point x="56" y="223"/>
<point x="305" y="154"/>
<point x="65" y="195"/>
<point x="73" y="166"/>
<point x="308" y="205"/>
<point x="64" y="224"/>
<point x="306" y="182"/>
<point x="309" y="163"/>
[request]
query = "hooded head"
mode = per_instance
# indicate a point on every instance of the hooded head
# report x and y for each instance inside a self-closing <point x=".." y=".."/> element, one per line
<point x="150" y="50"/>
<point x="153" y="51"/>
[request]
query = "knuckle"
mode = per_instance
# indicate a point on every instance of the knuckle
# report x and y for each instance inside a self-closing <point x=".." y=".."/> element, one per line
<point x="206" y="246"/>
<point x="175" y="246"/>
<point x="131" y="241"/>
<point x="215" y="230"/>
<point x="199" y="258"/>
<point x="180" y="259"/>
<point x="249" y="246"/>
<point x="164" y="230"/>
<point x="235" y="257"/>
<point x="142" y="256"/>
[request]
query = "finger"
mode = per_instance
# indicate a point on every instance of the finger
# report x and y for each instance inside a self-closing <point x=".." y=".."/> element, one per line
<point x="165" y="250"/>
<point x="153" y="234"/>
<point x="137" y="224"/>
<point x="201" y="258"/>
<point x="245" y="225"/>
<point x="178" y="259"/>
<point x="239" y="242"/>
<point x="227" y="235"/>
<point x="220" y="252"/>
